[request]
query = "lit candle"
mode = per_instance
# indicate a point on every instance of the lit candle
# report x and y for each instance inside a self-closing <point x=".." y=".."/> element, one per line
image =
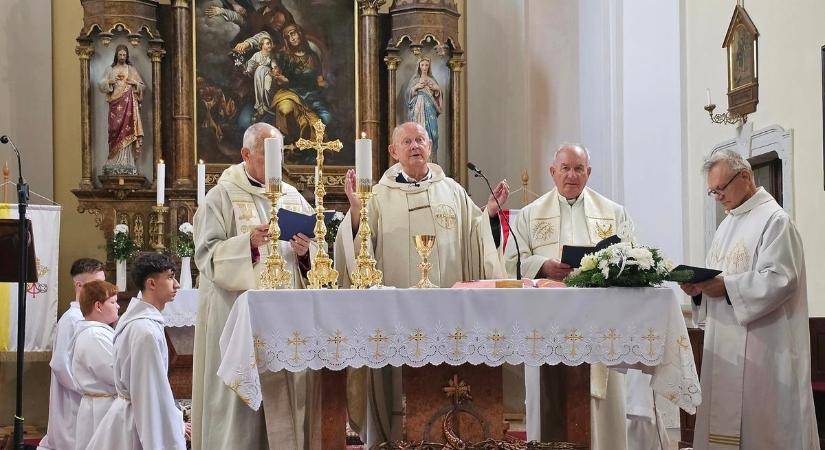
<point x="201" y="181"/>
<point x="273" y="157"/>
<point x="707" y="91"/>
<point x="160" y="181"/>
<point x="363" y="159"/>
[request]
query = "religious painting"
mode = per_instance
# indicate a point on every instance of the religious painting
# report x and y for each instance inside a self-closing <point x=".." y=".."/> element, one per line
<point x="742" y="56"/>
<point x="288" y="63"/>
<point x="423" y="96"/>
<point x="742" y="44"/>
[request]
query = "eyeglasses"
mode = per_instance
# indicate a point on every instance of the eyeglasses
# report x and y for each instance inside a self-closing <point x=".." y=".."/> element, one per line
<point x="712" y="192"/>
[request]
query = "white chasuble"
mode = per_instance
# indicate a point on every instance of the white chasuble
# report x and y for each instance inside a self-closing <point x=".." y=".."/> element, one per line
<point x="144" y="414"/>
<point x="222" y="225"/>
<point x="543" y="227"/>
<point x="93" y="360"/>
<point x="464" y="248"/>
<point x="756" y="382"/>
<point x="64" y="397"/>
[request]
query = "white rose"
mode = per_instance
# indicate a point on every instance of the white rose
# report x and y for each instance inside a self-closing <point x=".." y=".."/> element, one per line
<point x="121" y="228"/>
<point x="589" y="262"/>
<point x="185" y="227"/>
<point x="338" y="215"/>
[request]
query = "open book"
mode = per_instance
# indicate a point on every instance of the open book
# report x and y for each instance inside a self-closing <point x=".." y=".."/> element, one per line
<point x="292" y="223"/>
<point x="572" y="254"/>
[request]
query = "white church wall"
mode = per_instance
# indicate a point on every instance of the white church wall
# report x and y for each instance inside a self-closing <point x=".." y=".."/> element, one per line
<point x="790" y="89"/>
<point x="26" y="93"/>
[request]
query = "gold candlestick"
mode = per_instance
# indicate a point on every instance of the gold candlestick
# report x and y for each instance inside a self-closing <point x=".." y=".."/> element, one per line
<point x="321" y="275"/>
<point x="275" y="275"/>
<point x="365" y="275"/>
<point x="424" y="245"/>
<point x="157" y="229"/>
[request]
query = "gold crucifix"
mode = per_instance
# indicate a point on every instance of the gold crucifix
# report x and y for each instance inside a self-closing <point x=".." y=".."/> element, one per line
<point x="417" y="336"/>
<point x="337" y="339"/>
<point x="321" y="275"/>
<point x="378" y="338"/>
<point x="457" y="390"/>
<point x="457" y="336"/>
<point x="495" y="337"/>
<point x="535" y="337"/>
<point x="650" y="337"/>
<point x="297" y="341"/>
<point x="573" y="337"/>
<point x="612" y="336"/>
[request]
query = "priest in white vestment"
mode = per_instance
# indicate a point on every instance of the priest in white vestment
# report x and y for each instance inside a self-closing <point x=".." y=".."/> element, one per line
<point x="93" y="357"/>
<point x="230" y="232"/>
<point x="572" y="214"/>
<point x="64" y="397"/>
<point x="756" y="366"/>
<point x="413" y="197"/>
<point x="144" y="415"/>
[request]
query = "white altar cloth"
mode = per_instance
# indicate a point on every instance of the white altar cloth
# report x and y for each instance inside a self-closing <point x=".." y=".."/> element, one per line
<point x="183" y="311"/>
<point x="298" y="329"/>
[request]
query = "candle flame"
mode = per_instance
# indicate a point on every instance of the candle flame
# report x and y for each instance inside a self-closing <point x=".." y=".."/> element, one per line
<point x="200" y="161"/>
<point x="363" y="135"/>
<point x="160" y="161"/>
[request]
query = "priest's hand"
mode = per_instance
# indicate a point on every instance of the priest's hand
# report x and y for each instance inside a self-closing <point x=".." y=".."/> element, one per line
<point x="715" y="287"/>
<point x="350" y="184"/>
<point x="555" y="269"/>
<point x="690" y="289"/>
<point x="299" y="244"/>
<point x="187" y="431"/>
<point x="258" y="236"/>
<point x="500" y="193"/>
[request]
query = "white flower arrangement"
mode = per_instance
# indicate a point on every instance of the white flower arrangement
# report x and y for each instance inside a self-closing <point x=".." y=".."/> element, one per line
<point x="121" y="228"/>
<point x="624" y="264"/>
<point x="185" y="227"/>
<point x="121" y="247"/>
<point x="184" y="243"/>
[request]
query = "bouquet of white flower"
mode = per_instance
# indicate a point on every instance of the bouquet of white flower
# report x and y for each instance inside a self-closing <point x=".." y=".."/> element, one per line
<point x="185" y="244"/>
<point x="332" y="227"/>
<point x="625" y="264"/>
<point x="121" y="247"/>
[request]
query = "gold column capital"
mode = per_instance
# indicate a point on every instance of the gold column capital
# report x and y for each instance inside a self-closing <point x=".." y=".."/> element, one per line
<point x="370" y="7"/>
<point x="84" y="52"/>
<point x="181" y="4"/>
<point x="156" y="54"/>
<point x="456" y="64"/>
<point x="392" y="62"/>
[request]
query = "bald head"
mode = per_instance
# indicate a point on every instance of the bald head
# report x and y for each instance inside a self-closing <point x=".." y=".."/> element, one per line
<point x="571" y="170"/>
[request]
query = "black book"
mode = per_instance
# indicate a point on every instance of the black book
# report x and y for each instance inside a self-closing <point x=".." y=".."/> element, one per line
<point x="699" y="273"/>
<point x="572" y="254"/>
<point x="10" y="249"/>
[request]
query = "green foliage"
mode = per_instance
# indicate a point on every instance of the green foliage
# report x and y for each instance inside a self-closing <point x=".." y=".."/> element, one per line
<point x="625" y="265"/>
<point x="121" y="247"/>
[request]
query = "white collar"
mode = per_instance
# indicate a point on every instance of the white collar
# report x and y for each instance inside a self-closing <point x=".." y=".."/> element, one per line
<point x="413" y="180"/>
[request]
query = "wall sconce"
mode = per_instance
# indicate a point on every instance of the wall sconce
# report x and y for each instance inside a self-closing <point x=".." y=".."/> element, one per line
<point x="728" y="118"/>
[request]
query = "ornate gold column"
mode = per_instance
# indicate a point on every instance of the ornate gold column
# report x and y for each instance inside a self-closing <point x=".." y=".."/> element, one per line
<point x="391" y="60"/>
<point x="84" y="51"/>
<point x="458" y="155"/>
<point x="156" y="53"/>
<point x="368" y="75"/>
<point x="182" y="128"/>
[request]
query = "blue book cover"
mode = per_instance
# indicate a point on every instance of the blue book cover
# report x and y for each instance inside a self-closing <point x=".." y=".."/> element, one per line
<point x="292" y="223"/>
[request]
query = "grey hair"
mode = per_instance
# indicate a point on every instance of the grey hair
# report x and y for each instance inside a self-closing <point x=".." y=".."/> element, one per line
<point x="735" y="161"/>
<point x="254" y="136"/>
<point x="397" y="130"/>
<point x="572" y="145"/>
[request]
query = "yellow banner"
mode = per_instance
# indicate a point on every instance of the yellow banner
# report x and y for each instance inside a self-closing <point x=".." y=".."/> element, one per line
<point x="5" y="301"/>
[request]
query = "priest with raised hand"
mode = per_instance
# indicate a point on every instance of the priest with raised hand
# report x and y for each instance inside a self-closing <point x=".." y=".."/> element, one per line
<point x="413" y="197"/>
<point x="572" y="214"/>
<point x="756" y="366"/>
<point x="231" y="245"/>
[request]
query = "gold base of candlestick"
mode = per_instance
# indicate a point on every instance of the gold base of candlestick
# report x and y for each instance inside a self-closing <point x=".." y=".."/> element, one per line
<point x="365" y="275"/>
<point x="424" y="245"/>
<point x="157" y="228"/>
<point x="275" y="275"/>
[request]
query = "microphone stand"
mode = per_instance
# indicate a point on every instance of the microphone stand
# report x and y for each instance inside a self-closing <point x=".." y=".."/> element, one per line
<point x="22" y="203"/>
<point x="477" y="173"/>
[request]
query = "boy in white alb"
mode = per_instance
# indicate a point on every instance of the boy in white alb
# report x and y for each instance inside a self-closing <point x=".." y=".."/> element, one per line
<point x="144" y="414"/>
<point x="64" y="397"/>
<point x="93" y="357"/>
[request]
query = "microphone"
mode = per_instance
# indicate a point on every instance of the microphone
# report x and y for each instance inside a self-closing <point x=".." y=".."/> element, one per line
<point x="22" y="187"/>
<point x="477" y="173"/>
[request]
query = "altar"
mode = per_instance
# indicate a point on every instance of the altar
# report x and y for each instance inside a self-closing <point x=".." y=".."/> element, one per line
<point x="323" y="329"/>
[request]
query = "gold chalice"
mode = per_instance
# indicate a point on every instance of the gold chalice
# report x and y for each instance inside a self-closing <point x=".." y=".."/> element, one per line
<point x="424" y="245"/>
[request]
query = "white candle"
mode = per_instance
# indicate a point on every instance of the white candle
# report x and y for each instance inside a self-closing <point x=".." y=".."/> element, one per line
<point x="201" y="181"/>
<point x="707" y="91"/>
<point x="273" y="158"/>
<point x="160" y="181"/>
<point x="363" y="159"/>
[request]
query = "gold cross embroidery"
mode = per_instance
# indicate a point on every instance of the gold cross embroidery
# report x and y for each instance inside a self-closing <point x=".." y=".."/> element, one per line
<point x="683" y="342"/>
<point x="535" y="337"/>
<point x="417" y="336"/>
<point x="650" y="337"/>
<point x="573" y="337"/>
<point x="495" y="337"/>
<point x="337" y="339"/>
<point x="378" y="338"/>
<point x="457" y="390"/>
<point x="457" y="336"/>
<point x="246" y="211"/>
<point x="612" y="336"/>
<point x="604" y="230"/>
<point x="297" y="341"/>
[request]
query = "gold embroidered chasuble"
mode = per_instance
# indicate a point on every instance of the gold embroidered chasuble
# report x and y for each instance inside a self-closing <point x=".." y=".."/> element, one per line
<point x="220" y="418"/>
<point x="464" y="248"/>
<point x="756" y="385"/>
